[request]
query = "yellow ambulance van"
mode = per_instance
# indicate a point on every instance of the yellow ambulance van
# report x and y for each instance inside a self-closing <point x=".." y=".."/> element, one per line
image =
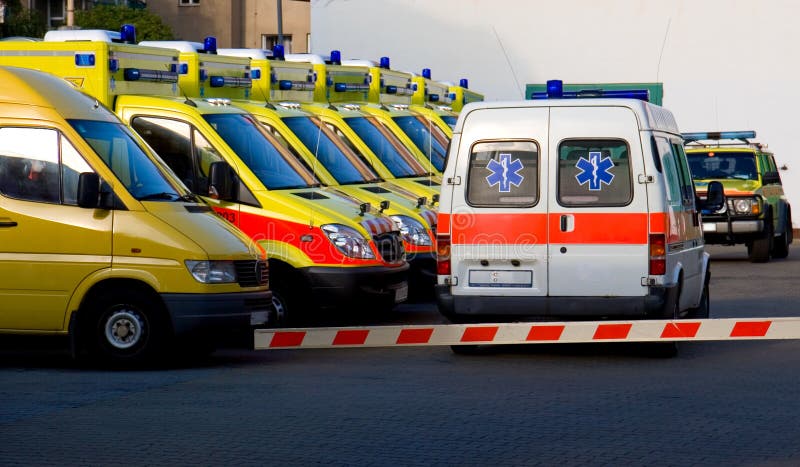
<point x="100" y="242"/>
<point x="390" y="157"/>
<point x="334" y="162"/>
<point x="461" y="95"/>
<point x="324" y="250"/>
<point x="434" y="95"/>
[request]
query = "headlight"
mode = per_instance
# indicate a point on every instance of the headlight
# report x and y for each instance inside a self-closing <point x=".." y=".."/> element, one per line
<point x="746" y="206"/>
<point x="212" y="272"/>
<point x="348" y="241"/>
<point x="412" y="231"/>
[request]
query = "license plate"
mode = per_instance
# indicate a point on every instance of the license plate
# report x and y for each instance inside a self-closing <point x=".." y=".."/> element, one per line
<point x="401" y="293"/>
<point x="517" y="279"/>
<point x="709" y="227"/>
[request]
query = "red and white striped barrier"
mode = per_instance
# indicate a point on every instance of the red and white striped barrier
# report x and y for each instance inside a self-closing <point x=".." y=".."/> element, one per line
<point x="530" y="333"/>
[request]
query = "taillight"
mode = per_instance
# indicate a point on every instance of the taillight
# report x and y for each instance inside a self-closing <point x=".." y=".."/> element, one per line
<point x="443" y="255"/>
<point x="658" y="254"/>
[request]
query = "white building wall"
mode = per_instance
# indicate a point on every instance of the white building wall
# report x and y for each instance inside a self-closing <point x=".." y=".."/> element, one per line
<point x="725" y="64"/>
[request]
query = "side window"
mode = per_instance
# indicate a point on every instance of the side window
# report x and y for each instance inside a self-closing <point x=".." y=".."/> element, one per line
<point x="205" y="154"/>
<point x="594" y="173"/>
<point x="72" y="165"/>
<point x="671" y="172"/>
<point x="687" y="185"/>
<point x="29" y="164"/>
<point x="503" y="174"/>
<point x="171" y="140"/>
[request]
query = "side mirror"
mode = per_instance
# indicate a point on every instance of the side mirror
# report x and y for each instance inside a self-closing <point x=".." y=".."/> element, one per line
<point x="715" y="198"/>
<point x="223" y="184"/>
<point x="89" y="190"/>
<point x="771" y="178"/>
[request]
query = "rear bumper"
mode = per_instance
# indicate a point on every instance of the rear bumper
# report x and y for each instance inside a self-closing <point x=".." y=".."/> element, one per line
<point x="337" y="286"/>
<point x="204" y="313"/>
<point x="658" y="304"/>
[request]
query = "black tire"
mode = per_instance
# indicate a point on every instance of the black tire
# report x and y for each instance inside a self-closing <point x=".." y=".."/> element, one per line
<point x="703" y="309"/>
<point x="127" y="326"/>
<point x="282" y="304"/>
<point x="759" y="250"/>
<point x="780" y="249"/>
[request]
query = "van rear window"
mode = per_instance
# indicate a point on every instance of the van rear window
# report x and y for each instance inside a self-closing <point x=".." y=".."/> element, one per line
<point x="503" y="174"/>
<point x="594" y="173"/>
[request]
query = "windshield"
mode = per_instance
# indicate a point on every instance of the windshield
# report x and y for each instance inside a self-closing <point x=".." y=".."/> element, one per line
<point x="261" y="152"/>
<point x="338" y="159"/>
<point x="387" y="147"/>
<point x="722" y="165"/>
<point x="428" y="138"/>
<point x="450" y="120"/>
<point x="120" y="151"/>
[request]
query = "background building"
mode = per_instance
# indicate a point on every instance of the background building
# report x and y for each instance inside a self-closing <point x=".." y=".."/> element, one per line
<point x="725" y="64"/>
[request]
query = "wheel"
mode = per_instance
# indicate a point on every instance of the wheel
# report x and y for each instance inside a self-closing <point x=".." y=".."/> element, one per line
<point x="703" y="309"/>
<point x="780" y="249"/>
<point x="290" y="306"/>
<point x="281" y="304"/>
<point x="758" y="251"/>
<point x="127" y="326"/>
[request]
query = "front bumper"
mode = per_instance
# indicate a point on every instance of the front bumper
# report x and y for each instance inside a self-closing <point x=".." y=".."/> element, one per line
<point x="657" y="304"/>
<point x="204" y="313"/>
<point x="731" y="231"/>
<point x="338" y="286"/>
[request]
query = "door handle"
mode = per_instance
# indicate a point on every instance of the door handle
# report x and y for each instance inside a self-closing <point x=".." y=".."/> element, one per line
<point x="8" y="224"/>
<point x="563" y="223"/>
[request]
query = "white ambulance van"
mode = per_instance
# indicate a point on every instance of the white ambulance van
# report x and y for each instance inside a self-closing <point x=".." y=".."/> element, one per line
<point x="570" y="208"/>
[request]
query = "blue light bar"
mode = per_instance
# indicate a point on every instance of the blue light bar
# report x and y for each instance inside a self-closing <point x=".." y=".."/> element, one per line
<point x="345" y="87"/>
<point x="230" y="82"/>
<point x="256" y="73"/>
<point x="464" y="83"/>
<point x="152" y="76"/>
<point x="127" y="34"/>
<point x="555" y="90"/>
<point x="385" y="63"/>
<point x="433" y="97"/>
<point x="426" y="73"/>
<point x="277" y="52"/>
<point x="84" y="59"/>
<point x="210" y="45"/>
<point x="717" y="135"/>
<point x="336" y="57"/>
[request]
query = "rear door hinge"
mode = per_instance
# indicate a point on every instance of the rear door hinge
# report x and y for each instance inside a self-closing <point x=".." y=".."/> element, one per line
<point x="646" y="179"/>
<point x="454" y="181"/>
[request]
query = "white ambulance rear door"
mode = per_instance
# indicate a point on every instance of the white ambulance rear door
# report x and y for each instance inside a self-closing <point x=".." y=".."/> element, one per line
<point x="498" y="211"/>
<point x="598" y="213"/>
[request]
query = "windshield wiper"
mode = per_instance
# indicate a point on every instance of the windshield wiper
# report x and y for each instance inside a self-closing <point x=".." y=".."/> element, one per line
<point x="190" y="198"/>
<point x="164" y="195"/>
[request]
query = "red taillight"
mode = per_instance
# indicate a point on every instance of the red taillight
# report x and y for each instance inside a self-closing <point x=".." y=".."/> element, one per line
<point x="443" y="255"/>
<point x="658" y="254"/>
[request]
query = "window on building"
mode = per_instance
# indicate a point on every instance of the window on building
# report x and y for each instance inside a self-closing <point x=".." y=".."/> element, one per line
<point x="268" y="41"/>
<point x="188" y="2"/>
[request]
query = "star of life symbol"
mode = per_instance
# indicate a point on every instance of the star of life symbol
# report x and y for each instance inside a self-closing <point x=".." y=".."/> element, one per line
<point x="504" y="173"/>
<point x="595" y="171"/>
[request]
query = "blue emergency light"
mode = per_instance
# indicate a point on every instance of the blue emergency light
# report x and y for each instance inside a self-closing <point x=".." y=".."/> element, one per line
<point x="113" y="65"/>
<point x="277" y="52"/>
<point x="230" y="82"/>
<point x="385" y="63"/>
<point x="345" y="87"/>
<point x="336" y="57"/>
<point x="289" y="85"/>
<point x="127" y="34"/>
<point x="84" y="59"/>
<point x="426" y="73"/>
<point x="717" y="135"/>
<point x="210" y="45"/>
<point x="255" y="73"/>
<point x="153" y="76"/>
<point x="464" y="83"/>
<point x="433" y="97"/>
<point x="555" y="90"/>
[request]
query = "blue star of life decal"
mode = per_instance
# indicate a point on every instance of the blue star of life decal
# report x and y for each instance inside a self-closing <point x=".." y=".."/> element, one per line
<point x="504" y="173"/>
<point x="595" y="171"/>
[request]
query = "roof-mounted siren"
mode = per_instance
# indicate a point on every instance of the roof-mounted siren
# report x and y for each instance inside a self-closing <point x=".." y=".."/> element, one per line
<point x="209" y="45"/>
<point x="426" y="73"/>
<point x="385" y="63"/>
<point x="464" y="83"/>
<point x="127" y="34"/>
<point x="336" y="57"/>
<point x="555" y="90"/>
<point x="278" y="53"/>
<point x="743" y="136"/>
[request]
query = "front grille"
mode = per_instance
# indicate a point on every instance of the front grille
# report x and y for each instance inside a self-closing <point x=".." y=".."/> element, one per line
<point x="390" y="246"/>
<point x="252" y="273"/>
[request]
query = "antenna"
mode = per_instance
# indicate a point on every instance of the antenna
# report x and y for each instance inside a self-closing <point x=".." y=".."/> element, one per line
<point x="519" y="88"/>
<point x="185" y="96"/>
<point x="663" y="45"/>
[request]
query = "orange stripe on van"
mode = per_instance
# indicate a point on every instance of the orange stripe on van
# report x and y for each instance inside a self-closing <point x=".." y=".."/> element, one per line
<point x="658" y="222"/>
<point x="498" y="229"/>
<point x="601" y="228"/>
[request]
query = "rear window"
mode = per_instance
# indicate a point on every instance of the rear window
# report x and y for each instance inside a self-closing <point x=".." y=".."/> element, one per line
<point x="503" y="174"/>
<point x="594" y="173"/>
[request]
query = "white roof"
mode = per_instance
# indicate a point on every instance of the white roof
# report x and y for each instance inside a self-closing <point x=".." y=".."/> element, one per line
<point x="253" y="54"/>
<point x="305" y="58"/>
<point x="93" y="35"/>
<point x="359" y="62"/>
<point x="181" y="46"/>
